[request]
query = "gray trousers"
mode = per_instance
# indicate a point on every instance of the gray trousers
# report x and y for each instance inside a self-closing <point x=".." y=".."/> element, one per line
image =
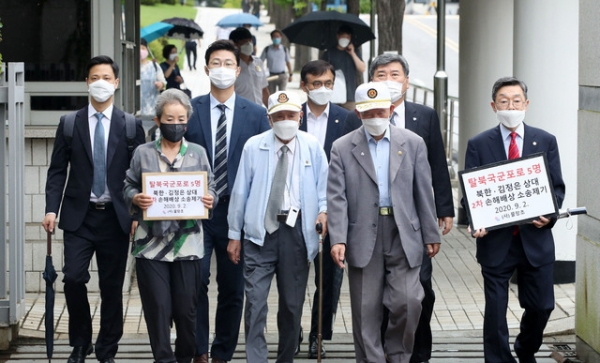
<point x="279" y="84"/>
<point x="387" y="281"/>
<point x="283" y="255"/>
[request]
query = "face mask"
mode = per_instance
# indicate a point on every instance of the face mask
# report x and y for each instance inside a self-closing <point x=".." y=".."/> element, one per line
<point x="320" y="96"/>
<point x="101" y="90"/>
<point x="173" y="132"/>
<point x="286" y="129"/>
<point x="376" y="126"/>
<point x="510" y="118"/>
<point x="395" y="90"/>
<point x="247" y="49"/>
<point x="222" y="77"/>
<point x="172" y="56"/>
<point x="343" y="42"/>
<point x="143" y="53"/>
<point x="276" y="41"/>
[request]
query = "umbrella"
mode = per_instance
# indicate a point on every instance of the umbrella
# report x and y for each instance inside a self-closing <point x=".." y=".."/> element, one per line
<point x="319" y="29"/>
<point x="239" y="19"/>
<point x="183" y="28"/>
<point x="49" y="275"/>
<point x="155" y="31"/>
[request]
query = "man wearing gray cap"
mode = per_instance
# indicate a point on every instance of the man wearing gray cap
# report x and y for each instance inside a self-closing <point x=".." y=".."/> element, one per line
<point x="381" y="213"/>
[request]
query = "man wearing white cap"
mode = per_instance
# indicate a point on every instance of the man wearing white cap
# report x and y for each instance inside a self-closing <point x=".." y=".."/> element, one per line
<point x="278" y="196"/>
<point x="381" y="213"/>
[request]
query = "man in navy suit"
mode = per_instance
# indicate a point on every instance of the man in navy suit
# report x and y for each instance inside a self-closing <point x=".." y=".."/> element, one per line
<point x="222" y="122"/>
<point x="324" y="120"/>
<point x="93" y="214"/>
<point x="393" y="70"/>
<point x="528" y="248"/>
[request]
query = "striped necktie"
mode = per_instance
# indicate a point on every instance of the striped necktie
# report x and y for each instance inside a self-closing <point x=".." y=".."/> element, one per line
<point x="220" y="160"/>
<point x="513" y="148"/>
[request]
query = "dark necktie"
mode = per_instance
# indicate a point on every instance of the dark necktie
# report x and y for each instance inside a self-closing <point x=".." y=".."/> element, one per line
<point x="99" y="159"/>
<point x="513" y="148"/>
<point x="220" y="163"/>
<point x="276" y="195"/>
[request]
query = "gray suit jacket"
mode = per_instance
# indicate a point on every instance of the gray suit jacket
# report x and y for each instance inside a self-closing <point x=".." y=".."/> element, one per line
<point x="353" y="196"/>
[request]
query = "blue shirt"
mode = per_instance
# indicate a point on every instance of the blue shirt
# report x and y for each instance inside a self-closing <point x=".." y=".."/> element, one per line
<point x="380" y="154"/>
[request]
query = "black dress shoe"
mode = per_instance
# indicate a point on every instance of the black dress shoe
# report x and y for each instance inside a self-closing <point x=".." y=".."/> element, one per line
<point x="107" y="360"/>
<point x="300" y="339"/>
<point x="313" y="348"/>
<point x="79" y="353"/>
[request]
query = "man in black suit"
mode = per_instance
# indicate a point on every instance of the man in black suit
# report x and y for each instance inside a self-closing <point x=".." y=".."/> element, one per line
<point x="527" y="248"/>
<point x="222" y="122"/>
<point x="422" y="120"/>
<point x="325" y="121"/>
<point x="93" y="214"/>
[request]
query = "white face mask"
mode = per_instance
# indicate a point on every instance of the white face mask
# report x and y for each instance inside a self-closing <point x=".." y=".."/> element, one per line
<point x="247" y="49"/>
<point x="343" y="42"/>
<point x="286" y="129"/>
<point x="395" y="90"/>
<point x="510" y="118"/>
<point x="320" y="96"/>
<point x="101" y="90"/>
<point x="376" y="126"/>
<point x="222" y="77"/>
<point x="172" y="56"/>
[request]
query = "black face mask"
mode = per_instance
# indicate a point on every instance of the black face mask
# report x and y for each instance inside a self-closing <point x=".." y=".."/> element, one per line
<point x="173" y="132"/>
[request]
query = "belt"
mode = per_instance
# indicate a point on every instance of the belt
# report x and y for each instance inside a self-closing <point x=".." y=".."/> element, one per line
<point x="386" y="211"/>
<point x="282" y="217"/>
<point x="100" y="205"/>
<point x="276" y="74"/>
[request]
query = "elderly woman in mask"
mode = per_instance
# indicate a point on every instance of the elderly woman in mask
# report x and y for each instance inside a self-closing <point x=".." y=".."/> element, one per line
<point x="168" y="252"/>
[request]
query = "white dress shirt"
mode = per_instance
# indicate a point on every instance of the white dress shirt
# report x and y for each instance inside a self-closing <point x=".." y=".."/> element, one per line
<point x="317" y="125"/>
<point x="215" y="114"/>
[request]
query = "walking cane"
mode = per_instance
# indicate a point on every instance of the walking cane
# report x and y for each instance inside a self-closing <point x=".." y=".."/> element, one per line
<point x="319" y="228"/>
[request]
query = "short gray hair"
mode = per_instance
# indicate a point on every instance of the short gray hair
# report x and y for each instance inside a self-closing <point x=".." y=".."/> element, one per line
<point x="385" y="59"/>
<point x="173" y="96"/>
<point x="508" y="81"/>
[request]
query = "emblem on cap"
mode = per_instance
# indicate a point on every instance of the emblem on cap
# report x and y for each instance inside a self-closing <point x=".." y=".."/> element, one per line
<point x="283" y="98"/>
<point x="372" y="93"/>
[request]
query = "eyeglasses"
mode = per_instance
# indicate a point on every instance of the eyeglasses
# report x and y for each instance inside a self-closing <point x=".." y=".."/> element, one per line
<point x="216" y="63"/>
<point x="319" y="84"/>
<point x="504" y="104"/>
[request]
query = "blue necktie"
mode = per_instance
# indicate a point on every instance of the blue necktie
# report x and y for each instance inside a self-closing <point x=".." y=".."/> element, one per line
<point x="220" y="160"/>
<point x="99" y="159"/>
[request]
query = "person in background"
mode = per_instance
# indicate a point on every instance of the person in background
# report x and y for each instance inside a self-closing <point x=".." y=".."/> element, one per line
<point x="223" y="33"/>
<point x="168" y="252"/>
<point x="222" y="123"/>
<point x="251" y="83"/>
<point x="190" y="50"/>
<point x="152" y="81"/>
<point x="325" y="121"/>
<point x="277" y="58"/>
<point x="278" y="197"/>
<point x="248" y="26"/>
<point x="170" y="67"/>
<point x="85" y="183"/>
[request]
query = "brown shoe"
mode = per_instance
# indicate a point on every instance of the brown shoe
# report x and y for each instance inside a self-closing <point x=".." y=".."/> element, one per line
<point x="218" y="360"/>
<point x="201" y="358"/>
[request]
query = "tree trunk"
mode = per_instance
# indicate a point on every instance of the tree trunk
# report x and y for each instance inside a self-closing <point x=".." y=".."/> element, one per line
<point x="390" y="16"/>
<point x="303" y="54"/>
<point x="353" y="7"/>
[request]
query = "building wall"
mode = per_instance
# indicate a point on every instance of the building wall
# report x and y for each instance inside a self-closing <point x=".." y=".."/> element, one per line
<point x="587" y="313"/>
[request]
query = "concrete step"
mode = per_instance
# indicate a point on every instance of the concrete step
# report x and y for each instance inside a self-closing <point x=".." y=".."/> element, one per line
<point x="452" y="348"/>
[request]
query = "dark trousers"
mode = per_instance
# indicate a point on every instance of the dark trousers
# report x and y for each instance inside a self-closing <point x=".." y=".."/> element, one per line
<point x="536" y="297"/>
<point x="169" y="293"/>
<point x="100" y="233"/>
<point x="189" y="51"/>
<point x="230" y="286"/>
<point x="332" y="282"/>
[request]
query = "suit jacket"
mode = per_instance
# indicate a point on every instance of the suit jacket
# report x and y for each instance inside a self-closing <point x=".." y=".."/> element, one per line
<point x="78" y="164"/>
<point x="335" y="124"/>
<point x="424" y="121"/>
<point x="353" y="196"/>
<point x="249" y="119"/>
<point x="538" y="244"/>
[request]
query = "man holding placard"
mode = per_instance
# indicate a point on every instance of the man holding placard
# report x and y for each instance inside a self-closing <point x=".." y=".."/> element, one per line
<point x="527" y="248"/>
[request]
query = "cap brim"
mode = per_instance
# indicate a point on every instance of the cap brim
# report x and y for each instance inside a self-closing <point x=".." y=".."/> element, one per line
<point x="285" y="107"/>
<point x="370" y="105"/>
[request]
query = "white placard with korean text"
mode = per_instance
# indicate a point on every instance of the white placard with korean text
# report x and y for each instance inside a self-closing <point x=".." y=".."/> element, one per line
<point x="176" y="195"/>
<point x="508" y="193"/>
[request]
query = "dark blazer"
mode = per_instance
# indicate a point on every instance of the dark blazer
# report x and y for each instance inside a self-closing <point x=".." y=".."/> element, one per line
<point x="424" y="121"/>
<point x="249" y="119"/>
<point x="538" y="244"/>
<point x="73" y="205"/>
<point x="335" y="124"/>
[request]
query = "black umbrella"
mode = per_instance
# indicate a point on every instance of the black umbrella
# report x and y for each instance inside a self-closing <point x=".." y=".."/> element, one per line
<point x="319" y="29"/>
<point x="49" y="275"/>
<point x="183" y="28"/>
